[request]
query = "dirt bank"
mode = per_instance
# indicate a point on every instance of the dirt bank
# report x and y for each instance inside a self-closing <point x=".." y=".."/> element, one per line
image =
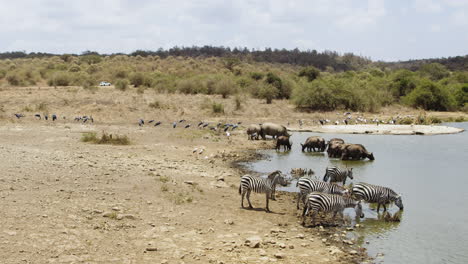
<point x="154" y="201"/>
<point x="381" y="129"/>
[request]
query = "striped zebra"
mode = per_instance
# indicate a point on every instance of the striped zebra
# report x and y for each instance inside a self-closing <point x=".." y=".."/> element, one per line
<point x="336" y="174"/>
<point x="307" y="185"/>
<point x="272" y="176"/>
<point x="323" y="202"/>
<point x="377" y="194"/>
<point x="259" y="185"/>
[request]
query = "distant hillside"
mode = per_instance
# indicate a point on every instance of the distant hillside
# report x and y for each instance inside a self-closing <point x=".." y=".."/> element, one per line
<point x="458" y="63"/>
<point x="326" y="60"/>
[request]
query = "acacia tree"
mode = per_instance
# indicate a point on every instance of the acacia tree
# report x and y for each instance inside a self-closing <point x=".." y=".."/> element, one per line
<point x="310" y="72"/>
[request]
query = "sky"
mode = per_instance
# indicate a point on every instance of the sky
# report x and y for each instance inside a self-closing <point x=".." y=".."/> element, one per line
<point x="387" y="30"/>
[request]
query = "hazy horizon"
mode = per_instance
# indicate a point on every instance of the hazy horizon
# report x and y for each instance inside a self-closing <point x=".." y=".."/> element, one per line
<point x="377" y="29"/>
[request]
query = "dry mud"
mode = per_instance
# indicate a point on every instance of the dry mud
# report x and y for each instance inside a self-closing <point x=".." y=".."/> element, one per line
<point x="154" y="201"/>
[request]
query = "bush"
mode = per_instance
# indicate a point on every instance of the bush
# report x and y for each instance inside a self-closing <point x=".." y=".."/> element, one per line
<point x="238" y="102"/>
<point x="187" y="87"/>
<point x="268" y="92"/>
<point x="121" y="74"/>
<point x="137" y="79"/>
<point x="218" y="108"/>
<point x="91" y="137"/>
<point x="430" y="96"/>
<point x="310" y="72"/>
<point x="156" y="104"/>
<point x="406" y="121"/>
<point x="256" y="75"/>
<point x="434" y="71"/>
<point x="60" y="79"/>
<point x="74" y="68"/>
<point x="13" y="79"/>
<point x="121" y="85"/>
<point x="225" y="87"/>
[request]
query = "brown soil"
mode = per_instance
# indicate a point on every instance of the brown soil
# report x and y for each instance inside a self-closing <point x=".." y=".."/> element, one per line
<point x="154" y="201"/>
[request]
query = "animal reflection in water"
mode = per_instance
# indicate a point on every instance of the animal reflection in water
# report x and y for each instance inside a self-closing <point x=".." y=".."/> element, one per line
<point x="300" y="172"/>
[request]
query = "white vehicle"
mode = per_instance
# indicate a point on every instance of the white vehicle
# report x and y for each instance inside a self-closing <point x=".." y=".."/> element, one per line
<point x="104" y="84"/>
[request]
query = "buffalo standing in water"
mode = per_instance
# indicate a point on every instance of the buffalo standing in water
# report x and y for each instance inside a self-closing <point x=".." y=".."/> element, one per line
<point x="356" y="152"/>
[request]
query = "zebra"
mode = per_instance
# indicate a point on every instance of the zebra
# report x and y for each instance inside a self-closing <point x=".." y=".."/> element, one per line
<point x="337" y="175"/>
<point x="307" y="185"/>
<point x="272" y="176"/>
<point x="316" y="202"/>
<point x="377" y="194"/>
<point x="259" y="185"/>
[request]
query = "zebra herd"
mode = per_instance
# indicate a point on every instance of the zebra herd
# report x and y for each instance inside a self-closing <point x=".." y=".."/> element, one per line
<point x="322" y="196"/>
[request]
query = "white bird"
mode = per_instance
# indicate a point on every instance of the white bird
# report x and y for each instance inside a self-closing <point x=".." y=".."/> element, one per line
<point x="201" y="151"/>
<point x="194" y="150"/>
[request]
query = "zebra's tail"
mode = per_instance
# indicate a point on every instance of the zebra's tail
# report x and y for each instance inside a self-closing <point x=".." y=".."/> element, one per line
<point x="240" y="188"/>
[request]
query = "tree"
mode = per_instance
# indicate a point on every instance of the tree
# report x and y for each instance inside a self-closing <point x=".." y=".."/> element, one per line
<point x="403" y="82"/>
<point x="430" y="96"/>
<point x="310" y="72"/>
<point x="230" y="62"/>
<point x="268" y="92"/>
<point x="435" y="71"/>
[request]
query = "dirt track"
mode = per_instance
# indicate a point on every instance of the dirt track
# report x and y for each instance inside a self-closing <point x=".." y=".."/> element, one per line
<point x="154" y="201"/>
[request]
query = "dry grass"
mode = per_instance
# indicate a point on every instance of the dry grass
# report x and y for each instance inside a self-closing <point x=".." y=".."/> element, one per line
<point x="111" y="106"/>
<point x="105" y="138"/>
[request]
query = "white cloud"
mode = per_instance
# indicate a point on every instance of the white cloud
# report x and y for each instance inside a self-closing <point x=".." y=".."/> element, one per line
<point x="435" y="28"/>
<point x="427" y="6"/>
<point x="127" y="25"/>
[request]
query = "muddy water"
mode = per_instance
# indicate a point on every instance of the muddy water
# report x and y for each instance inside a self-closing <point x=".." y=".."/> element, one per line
<point x="431" y="173"/>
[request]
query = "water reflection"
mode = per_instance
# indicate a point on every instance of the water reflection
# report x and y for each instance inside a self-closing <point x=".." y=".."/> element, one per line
<point x="432" y="229"/>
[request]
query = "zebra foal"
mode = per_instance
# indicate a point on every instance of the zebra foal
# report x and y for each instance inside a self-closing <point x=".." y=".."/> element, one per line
<point x="322" y="202"/>
<point x="260" y="185"/>
<point x="377" y="194"/>
<point x="336" y="174"/>
<point x="307" y="185"/>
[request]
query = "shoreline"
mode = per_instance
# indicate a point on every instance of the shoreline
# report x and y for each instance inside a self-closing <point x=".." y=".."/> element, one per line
<point x="381" y="129"/>
<point x="350" y="253"/>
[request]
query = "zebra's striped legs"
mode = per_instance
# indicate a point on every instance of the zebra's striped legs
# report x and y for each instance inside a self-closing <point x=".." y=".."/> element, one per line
<point x="267" y="198"/>
<point x="304" y="214"/>
<point x="248" y="199"/>
<point x="384" y="208"/>
<point x="299" y="197"/>
<point x="242" y="199"/>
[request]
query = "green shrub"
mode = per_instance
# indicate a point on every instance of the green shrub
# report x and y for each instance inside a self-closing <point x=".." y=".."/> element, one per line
<point x="92" y="137"/>
<point x="430" y="96"/>
<point x="120" y="74"/>
<point x="13" y="79"/>
<point x="187" y="87"/>
<point x="136" y="79"/>
<point x="121" y="84"/>
<point x="225" y="87"/>
<point x="91" y="59"/>
<point x="238" y="102"/>
<point x="2" y="73"/>
<point x="434" y="71"/>
<point x="268" y="92"/>
<point x="60" y="79"/>
<point x="256" y="75"/>
<point x="406" y="121"/>
<point x="434" y="120"/>
<point x="74" y="68"/>
<point x="218" y="108"/>
<point x="311" y="73"/>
